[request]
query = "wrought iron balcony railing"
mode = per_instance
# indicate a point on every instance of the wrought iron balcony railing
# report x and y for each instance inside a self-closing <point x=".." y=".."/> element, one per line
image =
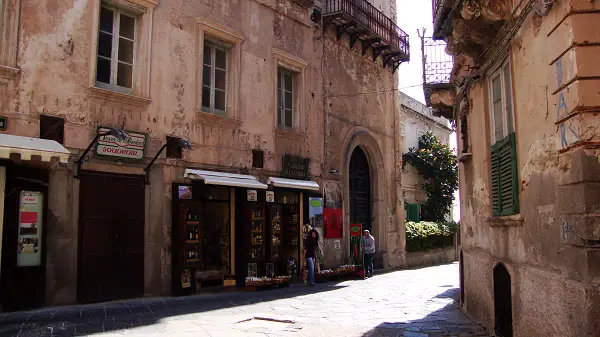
<point x="362" y="21"/>
<point x="437" y="64"/>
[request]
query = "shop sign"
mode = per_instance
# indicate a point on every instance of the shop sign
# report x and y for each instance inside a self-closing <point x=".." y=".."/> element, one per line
<point x="3" y="123"/>
<point x="129" y="148"/>
<point x="270" y="195"/>
<point x="295" y="167"/>
<point x="252" y="195"/>
<point x="315" y="212"/>
<point x="29" y="245"/>
<point x="185" y="192"/>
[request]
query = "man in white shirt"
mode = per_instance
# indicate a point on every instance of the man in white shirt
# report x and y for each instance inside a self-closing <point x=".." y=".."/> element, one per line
<point x="368" y="246"/>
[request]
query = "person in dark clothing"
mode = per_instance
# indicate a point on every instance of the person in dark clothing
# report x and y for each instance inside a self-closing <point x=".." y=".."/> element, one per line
<point x="311" y="244"/>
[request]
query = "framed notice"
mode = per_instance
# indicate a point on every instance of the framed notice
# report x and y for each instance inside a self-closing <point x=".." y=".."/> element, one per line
<point x="29" y="238"/>
<point x="185" y="192"/>
<point x="270" y="196"/>
<point x="252" y="195"/>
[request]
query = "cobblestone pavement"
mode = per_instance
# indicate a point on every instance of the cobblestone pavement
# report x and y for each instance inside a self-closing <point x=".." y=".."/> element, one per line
<point x="409" y="303"/>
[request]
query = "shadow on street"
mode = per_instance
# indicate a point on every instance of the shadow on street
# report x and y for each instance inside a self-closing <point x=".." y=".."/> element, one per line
<point x="105" y="317"/>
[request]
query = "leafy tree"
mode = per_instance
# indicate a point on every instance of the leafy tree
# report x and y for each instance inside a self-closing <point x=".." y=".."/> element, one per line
<point x="438" y="165"/>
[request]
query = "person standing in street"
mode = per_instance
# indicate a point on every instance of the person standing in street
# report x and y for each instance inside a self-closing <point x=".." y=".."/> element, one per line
<point x="311" y="245"/>
<point x="368" y="246"/>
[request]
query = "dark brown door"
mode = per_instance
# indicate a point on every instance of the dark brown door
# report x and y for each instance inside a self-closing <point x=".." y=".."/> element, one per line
<point x="502" y="301"/>
<point x="360" y="189"/>
<point x="111" y="250"/>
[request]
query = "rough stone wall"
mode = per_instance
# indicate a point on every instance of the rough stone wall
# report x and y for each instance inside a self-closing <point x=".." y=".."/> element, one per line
<point x="551" y="247"/>
<point x="361" y="110"/>
<point x="55" y="64"/>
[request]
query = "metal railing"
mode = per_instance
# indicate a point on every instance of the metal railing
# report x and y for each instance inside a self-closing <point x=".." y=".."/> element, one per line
<point x="437" y="64"/>
<point x="374" y="20"/>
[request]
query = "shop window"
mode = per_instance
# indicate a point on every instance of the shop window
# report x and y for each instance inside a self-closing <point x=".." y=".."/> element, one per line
<point x="286" y="197"/>
<point x="285" y="99"/>
<point x="258" y="158"/>
<point x="52" y="128"/>
<point x="214" y="78"/>
<point x="503" y="153"/>
<point x="173" y="148"/>
<point x="115" y="61"/>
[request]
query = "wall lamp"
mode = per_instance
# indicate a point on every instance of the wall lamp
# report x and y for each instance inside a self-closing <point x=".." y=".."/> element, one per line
<point x="180" y="142"/>
<point x="117" y="133"/>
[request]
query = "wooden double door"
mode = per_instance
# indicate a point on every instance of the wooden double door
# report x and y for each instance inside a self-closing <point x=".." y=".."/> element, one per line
<point x="360" y="189"/>
<point x="111" y="237"/>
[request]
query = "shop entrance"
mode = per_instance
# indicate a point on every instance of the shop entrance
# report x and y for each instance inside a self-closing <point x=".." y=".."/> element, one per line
<point x="360" y="189"/>
<point x="111" y="237"/>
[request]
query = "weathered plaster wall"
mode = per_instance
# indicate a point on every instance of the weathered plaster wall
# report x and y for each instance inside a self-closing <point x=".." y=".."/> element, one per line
<point x="54" y="58"/>
<point x="361" y="111"/>
<point x="549" y="247"/>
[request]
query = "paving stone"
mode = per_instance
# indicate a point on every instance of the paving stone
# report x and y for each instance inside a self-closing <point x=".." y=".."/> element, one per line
<point x="410" y="303"/>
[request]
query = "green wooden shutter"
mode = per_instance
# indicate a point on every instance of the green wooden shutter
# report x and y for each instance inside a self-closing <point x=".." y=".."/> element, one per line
<point x="505" y="180"/>
<point x="412" y="212"/>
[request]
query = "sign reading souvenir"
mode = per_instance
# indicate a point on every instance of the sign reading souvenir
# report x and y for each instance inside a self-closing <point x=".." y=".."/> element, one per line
<point x="315" y="212"/>
<point x="252" y="195"/>
<point x="270" y="196"/>
<point x="333" y="220"/>
<point x="131" y="147"/>
<point x="295" y="167"/>
<point x="29" y="237"/>
<point x="185" y="192"/>
<point x="3" y="123"/>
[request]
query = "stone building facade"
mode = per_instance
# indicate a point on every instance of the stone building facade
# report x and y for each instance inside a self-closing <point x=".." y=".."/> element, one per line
<point x="524" y="92"/>
<point x="207" y="72"/>
<point x="418" y="119"/>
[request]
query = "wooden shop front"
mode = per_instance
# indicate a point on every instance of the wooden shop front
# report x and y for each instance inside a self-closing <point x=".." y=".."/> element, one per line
<point x="204" y="230"/>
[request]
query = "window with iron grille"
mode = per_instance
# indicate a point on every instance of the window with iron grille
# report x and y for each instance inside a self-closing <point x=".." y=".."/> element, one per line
<point x="116" y="50"/>
<point x="503" y="154"/>
<point x="285" y="98"/>
<point x="214" y="79"/>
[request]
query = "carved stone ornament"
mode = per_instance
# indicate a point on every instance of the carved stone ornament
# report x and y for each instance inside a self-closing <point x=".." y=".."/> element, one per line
<point x="488" y="10"/>
<point x="471" y="9"/>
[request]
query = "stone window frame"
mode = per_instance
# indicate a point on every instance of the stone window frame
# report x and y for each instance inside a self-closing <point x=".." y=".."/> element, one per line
<point x="231" y="40"/>
<point x="9" y="38"/>
<point x="296" y="65"/>
<point x="143" y="10"/>
<point x="501" y="70"/>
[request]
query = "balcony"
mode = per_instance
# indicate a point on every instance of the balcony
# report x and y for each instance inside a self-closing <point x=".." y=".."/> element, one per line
<point x="437" y="72"/>
<point x="365" y="24"/>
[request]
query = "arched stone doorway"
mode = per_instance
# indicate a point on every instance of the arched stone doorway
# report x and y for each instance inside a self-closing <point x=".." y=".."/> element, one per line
<point x="502" y="301"/>
<point x="360" y="189"/>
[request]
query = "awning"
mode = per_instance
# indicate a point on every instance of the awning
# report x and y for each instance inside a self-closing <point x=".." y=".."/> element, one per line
<point x="28" y="147"/>
<point x="293" y="183"/>
<point x="224" y="179"/>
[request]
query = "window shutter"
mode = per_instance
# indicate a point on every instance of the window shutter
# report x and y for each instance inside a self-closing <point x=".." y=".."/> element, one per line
<point x="412" y="212"/>
<point x="505" y="184"/>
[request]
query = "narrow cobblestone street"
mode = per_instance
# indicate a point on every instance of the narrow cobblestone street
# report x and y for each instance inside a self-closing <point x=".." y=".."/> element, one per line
<point x="409" y="303"/>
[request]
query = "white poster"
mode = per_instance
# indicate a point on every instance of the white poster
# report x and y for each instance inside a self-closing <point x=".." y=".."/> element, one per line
<point x="29" y="245"/>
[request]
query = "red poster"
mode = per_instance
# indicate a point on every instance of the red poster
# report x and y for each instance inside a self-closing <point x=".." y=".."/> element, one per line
<point x="29" y="217"/>
<point x="333" y="218"/>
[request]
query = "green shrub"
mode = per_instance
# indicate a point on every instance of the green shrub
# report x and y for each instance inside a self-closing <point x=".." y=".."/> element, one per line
<point x="424" y="235"/>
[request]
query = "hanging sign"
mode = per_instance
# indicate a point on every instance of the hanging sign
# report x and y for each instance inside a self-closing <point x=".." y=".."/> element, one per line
<point x="185" y="192"/>
<point x="29" y="237"/>
<point x="252" y="195"/>
<point x="270" y="196"/>
<point x="129" y="148"/>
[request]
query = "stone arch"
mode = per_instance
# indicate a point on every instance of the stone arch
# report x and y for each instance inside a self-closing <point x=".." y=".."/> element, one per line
<point x="361" y="137"/>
